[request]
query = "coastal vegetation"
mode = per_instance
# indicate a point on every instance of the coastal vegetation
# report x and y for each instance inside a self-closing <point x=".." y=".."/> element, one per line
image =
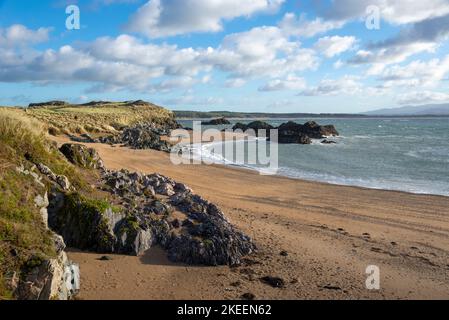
<point x="96" y="117"/>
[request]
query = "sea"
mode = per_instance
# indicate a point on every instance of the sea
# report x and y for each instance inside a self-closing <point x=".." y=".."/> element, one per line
<point x="404" y="154"/>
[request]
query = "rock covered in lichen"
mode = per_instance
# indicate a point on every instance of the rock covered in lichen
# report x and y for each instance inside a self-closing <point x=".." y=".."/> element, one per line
<point x="82" y="156"/>
<point x="142" y="136"/>
<point x="83" y="223"/>
<point x="190" y="228"/>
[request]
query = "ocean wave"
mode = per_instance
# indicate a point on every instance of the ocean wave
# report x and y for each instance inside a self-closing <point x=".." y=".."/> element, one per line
<point x="208" y="152"/>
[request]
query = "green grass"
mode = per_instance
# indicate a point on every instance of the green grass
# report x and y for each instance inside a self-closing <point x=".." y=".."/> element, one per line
<point x="24" y="239"/>
<point x="106" y="118"/>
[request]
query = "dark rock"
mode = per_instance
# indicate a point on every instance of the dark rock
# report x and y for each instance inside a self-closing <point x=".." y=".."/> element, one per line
<point x="240" y="126"/>
<point x="142" y="136"/>
<point x="204" y="237"/>
<point x="328" y="142"/>
<point x="48" y="104"/>
<point x="176" y="224"/>
<point x="84" y="224"/>
<point x="259" y="128"/>
<point x="105" y="258"/>
<point x="82" y="156"/>
<point x="216" y="122"/>
<point x="292" y="132"/>
<point x="248" y="296"/>
<point x="275" y="282"/>
<point x="284" y="253"/>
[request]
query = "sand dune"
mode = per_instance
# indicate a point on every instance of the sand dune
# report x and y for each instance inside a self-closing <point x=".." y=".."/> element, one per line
<point x="330" y="233"/>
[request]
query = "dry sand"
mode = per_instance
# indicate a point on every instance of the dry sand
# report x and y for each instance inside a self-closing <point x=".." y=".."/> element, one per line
<point x="331" y="234"/>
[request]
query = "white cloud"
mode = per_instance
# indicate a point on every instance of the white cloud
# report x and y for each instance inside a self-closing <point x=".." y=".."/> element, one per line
<point x="162" y="18"/>
<point x="392" y="11"/>
<point x="332" y="46"/>
<point x="260" y="52"/>
<point x="290" y="83"/>
<point x="338" y="64"/>
<point x="416" y="73"/>
<point x="394" y="54"/>
<point x="19" y="35"/>
<point x="347" y="85"/>
<point x="235" y="83"/>
<point x="301" y="27"/>
<point x="422" y="97"/>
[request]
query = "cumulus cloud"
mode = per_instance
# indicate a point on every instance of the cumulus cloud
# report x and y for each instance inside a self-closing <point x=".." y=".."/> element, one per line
<point x="263" y="51"/>
<point x="332" y="46"/>
<point x="424" y="36"/>
<point x="422" y="97"/>
<point x="292" y="82"/>
<point x="19" y="35"/>
<point x="392" y="11"/>
<point x="416" y="74"/>
<point x="347" y="85"/>
<point x="162" y="18"/>
<point x="126" y="62"/>
<point x="301" y="27"/>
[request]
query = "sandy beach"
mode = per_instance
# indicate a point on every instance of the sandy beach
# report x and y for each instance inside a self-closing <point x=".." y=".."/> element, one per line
<point x="327" y="234"/>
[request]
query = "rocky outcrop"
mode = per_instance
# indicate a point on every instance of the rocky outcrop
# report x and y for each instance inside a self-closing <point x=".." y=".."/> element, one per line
<point x="84" y="224"/>
<point x="191" y="229"/>
<point x="142" y="136"/>
<point x="255" y="125"/>
<point x="82" y="156"/>
<point x="60" y="180"/>
<point x="48" y="104"/>
<point x="49" y="278"/>
<point x="52" y="279"/>
<point x="154" y="210"/>
<point x="291" y="132"/>
<point x="216" y="122"/>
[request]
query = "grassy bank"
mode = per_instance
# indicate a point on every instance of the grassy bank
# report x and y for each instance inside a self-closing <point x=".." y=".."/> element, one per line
<point x="105" y="117"/>
<point x="24" y="240"/>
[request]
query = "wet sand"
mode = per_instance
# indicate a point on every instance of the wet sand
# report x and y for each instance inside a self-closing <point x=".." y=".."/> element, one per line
<point x="330" y="234"/>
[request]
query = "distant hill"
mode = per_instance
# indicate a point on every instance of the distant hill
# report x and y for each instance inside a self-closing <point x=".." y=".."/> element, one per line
<point x="431" y="110"/>
<point x="258" y="115"/>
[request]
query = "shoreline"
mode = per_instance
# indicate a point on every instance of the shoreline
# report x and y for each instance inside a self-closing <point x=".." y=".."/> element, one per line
<point x="301" y="179"/>
<point x="330" y="232"/>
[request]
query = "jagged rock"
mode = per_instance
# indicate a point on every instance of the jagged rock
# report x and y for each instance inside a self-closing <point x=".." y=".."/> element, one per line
<point x="166" y="189"/>
<point x="258" y="127"/>
<point x="84" y="224"/>
<point x="315" y="131"/>
<point x="216" y="122"/>
<point x="142" y="136"/>
<point x="82" y="156"/>
<point x="328" y="142"/>
<point x="42" y="203"/>
<point x="48" y="104"/>
<point x="50" y="279"/>
<point x="240" y="126"/>
<point x="208" y="238"/>
<point x="60" y="180"/>
<point x="292" y="132"/>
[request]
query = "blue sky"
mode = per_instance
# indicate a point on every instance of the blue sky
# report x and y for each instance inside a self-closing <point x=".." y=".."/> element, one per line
<point x="238" y="55"/>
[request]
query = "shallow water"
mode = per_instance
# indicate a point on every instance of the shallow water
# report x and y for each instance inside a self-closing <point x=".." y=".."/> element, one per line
<point x="403" y="154"/>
